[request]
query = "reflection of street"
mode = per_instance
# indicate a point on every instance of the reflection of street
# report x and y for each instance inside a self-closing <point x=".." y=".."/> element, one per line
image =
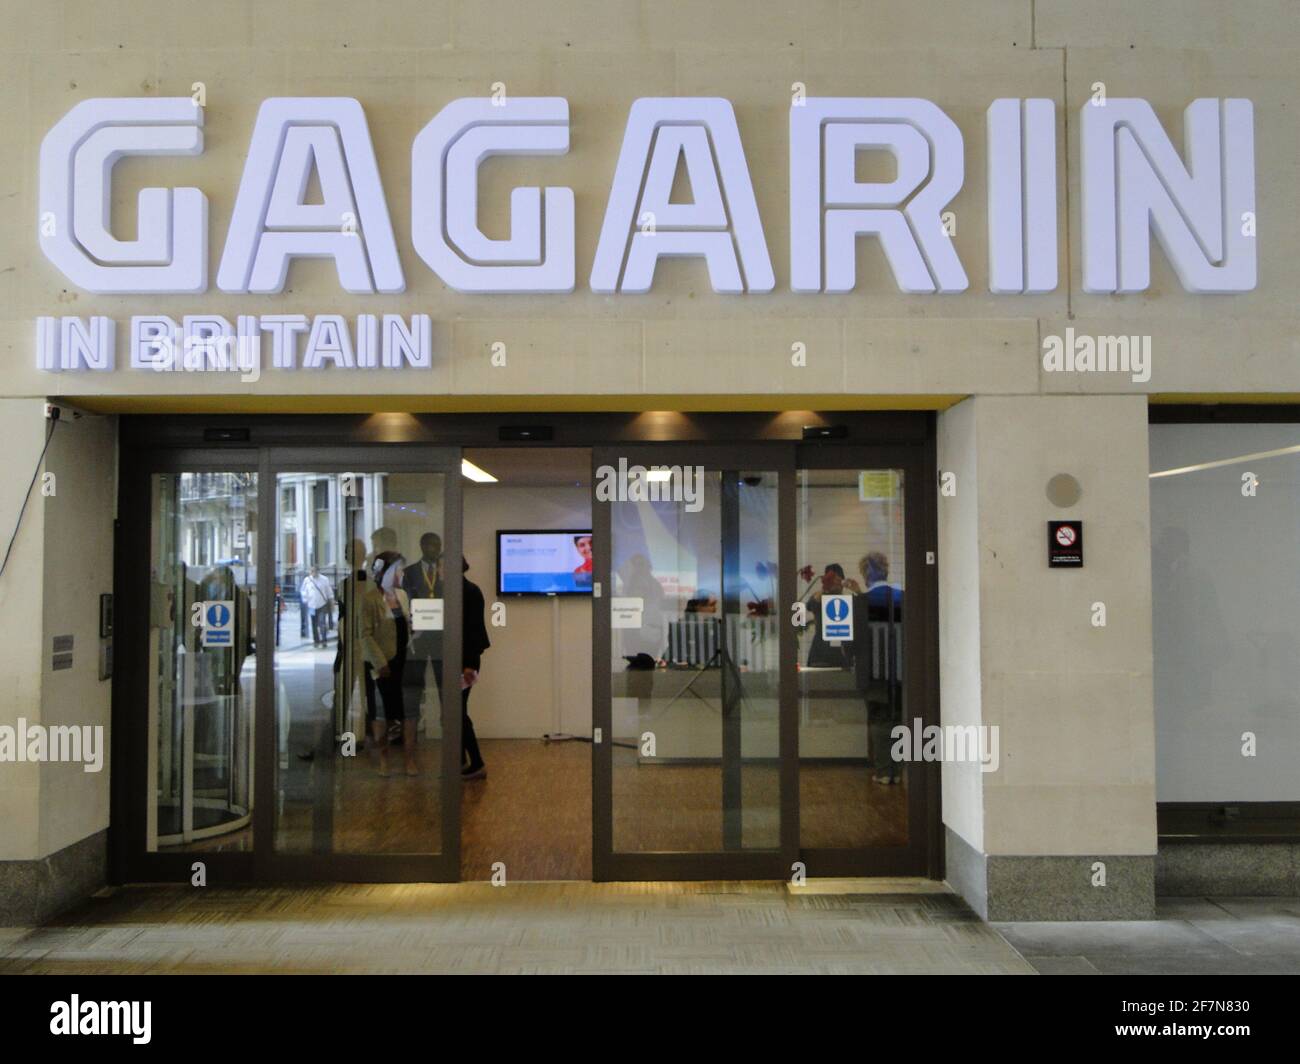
<point x="329" y="803"/>
<point x="304" y="681"/>
<point x="291" y="635"/>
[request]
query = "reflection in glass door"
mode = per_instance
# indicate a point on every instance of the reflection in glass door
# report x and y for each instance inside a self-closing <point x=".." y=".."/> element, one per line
<point x="689" y="777"/>
<point x="862" y="801"/>
<point x="361" y="588"/>
<point x="203" y="654"/>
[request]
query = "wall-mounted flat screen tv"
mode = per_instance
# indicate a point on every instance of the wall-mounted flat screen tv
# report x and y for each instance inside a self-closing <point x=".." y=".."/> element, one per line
<point x="544" y="561"/>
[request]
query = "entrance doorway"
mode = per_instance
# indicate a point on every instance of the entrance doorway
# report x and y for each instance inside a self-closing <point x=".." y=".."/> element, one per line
<point x="755" y="661"/>
<point x="717" y="695"/>
<point x="526" y="530"/>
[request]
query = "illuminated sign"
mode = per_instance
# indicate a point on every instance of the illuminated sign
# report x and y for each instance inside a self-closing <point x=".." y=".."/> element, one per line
<point x="1133" y="181"/>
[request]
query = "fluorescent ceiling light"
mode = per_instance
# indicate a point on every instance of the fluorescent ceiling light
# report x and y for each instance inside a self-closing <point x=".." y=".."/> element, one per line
<point x="472" y="472"/>
<point x="1226" y="462"/>
<point x="658" y="475"/>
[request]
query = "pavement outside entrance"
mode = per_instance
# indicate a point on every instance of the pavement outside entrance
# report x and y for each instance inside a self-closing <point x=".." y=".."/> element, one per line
<point x="649" y="928"/>
<point x="1190" y="936"/>
<point x="879" y="927"/>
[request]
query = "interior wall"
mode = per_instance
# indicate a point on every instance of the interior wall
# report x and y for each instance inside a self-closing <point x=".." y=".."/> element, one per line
<point x="515" y="698"/>
<point x="1224" y="615"/>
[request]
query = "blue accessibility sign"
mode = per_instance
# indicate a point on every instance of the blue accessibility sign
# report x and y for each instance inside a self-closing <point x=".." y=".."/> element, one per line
<point x="218" y="629"/>
<point x="837" y="617"/>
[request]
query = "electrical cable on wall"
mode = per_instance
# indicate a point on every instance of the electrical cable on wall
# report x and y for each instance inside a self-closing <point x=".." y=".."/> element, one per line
<point x="54" y="420"/>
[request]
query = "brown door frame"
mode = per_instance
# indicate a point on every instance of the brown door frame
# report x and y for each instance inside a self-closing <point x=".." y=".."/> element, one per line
<point x="923" y="853"/>
<point x="154" y="443"/>
<point x="130" y="788"/>
<point x="129" y="859"/>
<point x="922" y="856"/>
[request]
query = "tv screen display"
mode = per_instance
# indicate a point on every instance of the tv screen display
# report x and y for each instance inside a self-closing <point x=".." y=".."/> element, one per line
<point x="544" y="562"/>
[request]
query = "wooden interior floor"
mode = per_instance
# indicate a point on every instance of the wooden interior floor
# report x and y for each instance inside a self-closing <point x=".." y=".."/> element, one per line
<point x="533" y="812"/>
<point x="842" y="808"/>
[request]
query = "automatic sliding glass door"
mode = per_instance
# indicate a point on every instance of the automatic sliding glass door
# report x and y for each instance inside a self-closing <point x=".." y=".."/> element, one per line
<point x="694" y="678"/>
<point x="863" y="800"/>
<point x="363" y="697"/>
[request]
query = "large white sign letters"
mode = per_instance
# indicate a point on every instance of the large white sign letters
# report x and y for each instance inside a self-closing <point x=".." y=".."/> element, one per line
<point x="1134" y="182"/>
<point x="538" y="254"/>
<point x="721" y="226"/>
<point x="1199" y="204"/>
<point x="271" y="224"/>
<point x="830" y="208"/>
<point x="170" y="252"/>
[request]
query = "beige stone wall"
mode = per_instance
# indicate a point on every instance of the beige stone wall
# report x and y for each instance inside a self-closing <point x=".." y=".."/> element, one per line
<point x="1018" y="647"/>
<point x="960" y="614"/>
<point x="78" y="568"/>
<point x="405" y="60"/>
<point x="62" y="562"/>
<point x="22" y="656"/>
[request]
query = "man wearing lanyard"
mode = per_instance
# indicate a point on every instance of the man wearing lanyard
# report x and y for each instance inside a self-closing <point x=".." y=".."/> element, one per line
<point x="423" y="580"/>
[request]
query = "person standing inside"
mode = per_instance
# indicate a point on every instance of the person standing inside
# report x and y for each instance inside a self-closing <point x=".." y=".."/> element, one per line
<point x="877" y="660"/>
<point x="423" y="580"/>
<point x="349" y="663"/>
<point x="822" y="653"/>
<point x="385" y="632"/>
<point x="475" y="638"/>
<point x="316" y="594"/>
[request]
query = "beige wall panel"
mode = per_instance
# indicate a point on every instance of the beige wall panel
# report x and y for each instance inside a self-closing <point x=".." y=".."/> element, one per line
<point x="1085" y="821"/>
<point x="912" y="355"/>
<point x="743" y="356"/>
<point x="1072" y="702"/>
<point x="78" y="565"/>
<point x="1244" y="355"/>
<point x="1198" y="24"/>
<point x="389" y="24"/>
<point x="546" y="357"/>
<point x="891" y="23"/>
<point x="960" y="658"/>
<point x="159" y="24"/>
<point x="578" y="25"/>
<point x="23" y="652"/>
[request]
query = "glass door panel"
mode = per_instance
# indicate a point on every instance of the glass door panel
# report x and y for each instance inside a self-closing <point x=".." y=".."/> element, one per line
<point x="858" y="802"/>
<point x="361" y="579"/>
<point x="694" y="664"/>
<point x="203" y="661"/>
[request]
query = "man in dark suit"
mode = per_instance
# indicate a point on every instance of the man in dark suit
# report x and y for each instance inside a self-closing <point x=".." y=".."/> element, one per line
<point x="475" y="642"/>
<point x="423" y="580"/>
<point x="876" y="655"/>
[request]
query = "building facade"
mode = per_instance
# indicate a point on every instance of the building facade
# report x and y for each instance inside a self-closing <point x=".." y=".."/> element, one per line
<point x="1029" y="261"/>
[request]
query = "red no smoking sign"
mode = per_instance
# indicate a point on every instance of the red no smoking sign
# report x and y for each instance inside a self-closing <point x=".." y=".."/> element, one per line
<point x="1065" y="544"/>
